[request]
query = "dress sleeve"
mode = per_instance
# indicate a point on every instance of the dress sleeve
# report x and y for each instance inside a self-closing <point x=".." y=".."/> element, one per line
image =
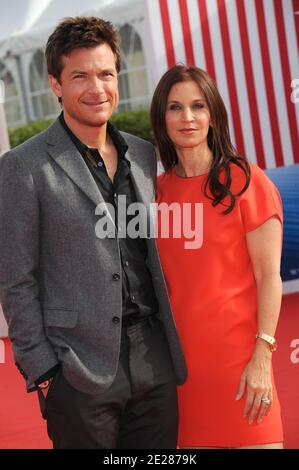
<point x="260" y="202"/>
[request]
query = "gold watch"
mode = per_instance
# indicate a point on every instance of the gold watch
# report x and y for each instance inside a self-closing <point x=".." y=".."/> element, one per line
<point x="272" y="343"/>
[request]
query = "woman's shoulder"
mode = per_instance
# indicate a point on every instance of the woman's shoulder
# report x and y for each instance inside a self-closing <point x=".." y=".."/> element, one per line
<point x="255" y="171"/>
<point x="260" y="191"/>
<point x="257" y="177"/>
<point x="237" y="170"/>
<point x="260" y="180"/>
<point x="260" y="201"/>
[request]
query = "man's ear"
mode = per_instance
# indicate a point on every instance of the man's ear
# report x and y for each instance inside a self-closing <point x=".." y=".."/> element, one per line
<point x="55" y="86"/>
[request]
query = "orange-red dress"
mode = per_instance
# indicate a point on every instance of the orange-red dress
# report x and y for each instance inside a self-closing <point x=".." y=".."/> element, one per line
<point x="214" y="299"/>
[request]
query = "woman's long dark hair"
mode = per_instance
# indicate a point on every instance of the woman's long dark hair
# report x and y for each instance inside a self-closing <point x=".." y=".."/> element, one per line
<point x="219" y="142"/>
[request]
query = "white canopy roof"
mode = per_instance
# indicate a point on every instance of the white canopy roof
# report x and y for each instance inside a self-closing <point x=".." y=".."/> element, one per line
<point x="26" y="24"/>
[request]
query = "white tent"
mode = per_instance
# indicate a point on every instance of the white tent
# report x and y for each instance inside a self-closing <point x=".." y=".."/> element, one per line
<point x="26" y="24"/>
<point x="24" y="28"/>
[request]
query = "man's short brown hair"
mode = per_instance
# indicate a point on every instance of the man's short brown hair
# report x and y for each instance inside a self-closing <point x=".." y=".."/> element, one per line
<point x="79" y="31"/>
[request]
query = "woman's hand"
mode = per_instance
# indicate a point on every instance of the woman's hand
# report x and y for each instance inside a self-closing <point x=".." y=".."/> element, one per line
<point x="257" y="382"/>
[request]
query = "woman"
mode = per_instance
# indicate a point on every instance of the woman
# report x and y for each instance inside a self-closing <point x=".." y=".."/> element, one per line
<point x="225" y="294"/>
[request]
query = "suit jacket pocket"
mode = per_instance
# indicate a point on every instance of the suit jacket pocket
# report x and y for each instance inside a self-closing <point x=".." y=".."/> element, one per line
<point x="60" y="317"/>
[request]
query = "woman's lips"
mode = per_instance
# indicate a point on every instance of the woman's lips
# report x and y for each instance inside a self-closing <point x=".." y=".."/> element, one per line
<point x="187" y="131"/>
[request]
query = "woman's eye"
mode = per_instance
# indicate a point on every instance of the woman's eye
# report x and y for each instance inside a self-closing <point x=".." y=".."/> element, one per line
<point x="198" y="106"/>
<point x="174" y="107"/>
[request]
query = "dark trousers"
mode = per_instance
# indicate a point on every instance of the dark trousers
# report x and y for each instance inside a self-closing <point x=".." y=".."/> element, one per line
<point x="138" y="411"/>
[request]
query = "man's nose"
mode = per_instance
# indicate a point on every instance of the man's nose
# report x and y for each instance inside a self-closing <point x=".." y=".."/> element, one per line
<point x="96" y="85"/>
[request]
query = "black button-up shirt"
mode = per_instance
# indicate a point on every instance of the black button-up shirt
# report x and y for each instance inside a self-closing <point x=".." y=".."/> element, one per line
<point x="138" y="295"/>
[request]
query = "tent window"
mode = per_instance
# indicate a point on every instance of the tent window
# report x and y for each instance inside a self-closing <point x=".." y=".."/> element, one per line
<point x="12" y="104"/>
<point x="133" y="80"/>
<point x="44" y="103"/>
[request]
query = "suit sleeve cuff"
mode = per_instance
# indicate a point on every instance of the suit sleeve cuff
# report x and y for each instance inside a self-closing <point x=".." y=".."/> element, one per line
<point x="48" y="375"/>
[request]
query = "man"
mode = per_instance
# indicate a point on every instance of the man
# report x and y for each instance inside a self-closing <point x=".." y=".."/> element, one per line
<point x="88" y="316"/>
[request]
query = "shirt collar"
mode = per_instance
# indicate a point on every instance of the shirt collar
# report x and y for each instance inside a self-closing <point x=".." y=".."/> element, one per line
<point x="114" y="133"/>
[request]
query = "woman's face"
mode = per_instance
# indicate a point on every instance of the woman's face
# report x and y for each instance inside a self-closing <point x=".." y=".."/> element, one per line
<point x="187" y="116"/>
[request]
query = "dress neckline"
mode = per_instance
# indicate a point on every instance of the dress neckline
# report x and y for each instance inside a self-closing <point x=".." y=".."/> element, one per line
<point x="187" y="178"/>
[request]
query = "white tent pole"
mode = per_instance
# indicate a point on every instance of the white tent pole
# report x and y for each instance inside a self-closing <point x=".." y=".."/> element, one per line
<point x="23" y="87"/>
<point x="4" y="141"/>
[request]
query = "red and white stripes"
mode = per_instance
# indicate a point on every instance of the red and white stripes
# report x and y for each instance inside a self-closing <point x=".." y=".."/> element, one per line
<point x="251" y="49"/>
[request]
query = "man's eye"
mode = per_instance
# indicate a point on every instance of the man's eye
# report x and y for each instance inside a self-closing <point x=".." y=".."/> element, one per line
<point x="78" y="76"/>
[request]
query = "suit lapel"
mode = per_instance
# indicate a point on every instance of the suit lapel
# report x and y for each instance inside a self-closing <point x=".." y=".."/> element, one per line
<point x="64" y="152"/>
<point x="66" y="155"/>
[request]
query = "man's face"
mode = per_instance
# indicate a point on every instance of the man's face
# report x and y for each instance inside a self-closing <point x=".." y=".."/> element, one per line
<point x="88" y="85"/>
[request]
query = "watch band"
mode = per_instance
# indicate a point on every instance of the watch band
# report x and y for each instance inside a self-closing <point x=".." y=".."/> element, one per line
<point x="269" y="339"/>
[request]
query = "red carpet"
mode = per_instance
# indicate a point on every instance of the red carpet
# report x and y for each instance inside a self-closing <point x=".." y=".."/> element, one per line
<point x="21" y="425"/>
<point x="286" y="368"/>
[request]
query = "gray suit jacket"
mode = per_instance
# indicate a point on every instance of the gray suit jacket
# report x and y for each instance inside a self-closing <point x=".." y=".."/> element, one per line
<point x="56" y="284"/>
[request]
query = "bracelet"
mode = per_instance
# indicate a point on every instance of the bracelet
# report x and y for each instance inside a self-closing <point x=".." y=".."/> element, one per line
<point x="272" y="343"/>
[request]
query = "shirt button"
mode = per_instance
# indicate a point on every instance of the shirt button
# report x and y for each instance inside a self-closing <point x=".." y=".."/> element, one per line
<point x="115" y="320"/>
<point x="100" y="164"/>
<point x="127" y="263"/>
<point x="116" y="277"/>
<point x="133" y="297"/>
